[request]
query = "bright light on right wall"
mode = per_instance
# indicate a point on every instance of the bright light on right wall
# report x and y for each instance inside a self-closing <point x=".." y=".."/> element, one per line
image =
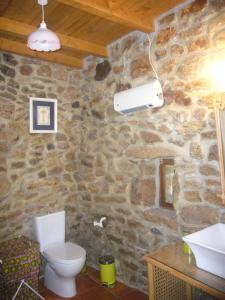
<point x="217" y="61"/>
<point x="217" y="70"/>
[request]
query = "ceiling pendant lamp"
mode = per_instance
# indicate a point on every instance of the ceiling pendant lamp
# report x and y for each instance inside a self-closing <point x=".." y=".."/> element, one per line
<point x="43" y="39"/>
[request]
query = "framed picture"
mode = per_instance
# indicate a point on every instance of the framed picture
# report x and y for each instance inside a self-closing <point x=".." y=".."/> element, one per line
<point x="167" y="172"/>
<point x="43" y="115"/>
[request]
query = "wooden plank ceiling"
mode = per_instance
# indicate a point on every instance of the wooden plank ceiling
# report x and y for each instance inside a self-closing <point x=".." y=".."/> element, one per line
<point x="85" y="27"/>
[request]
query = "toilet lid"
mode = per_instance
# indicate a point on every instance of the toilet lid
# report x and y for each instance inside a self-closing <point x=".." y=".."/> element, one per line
<point x="65" y="252"/>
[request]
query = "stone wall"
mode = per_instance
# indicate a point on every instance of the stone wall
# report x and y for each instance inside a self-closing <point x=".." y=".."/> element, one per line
<point x="36" y="170"/>
<point x="118" y="161"/>
<point x="103" y="164"/>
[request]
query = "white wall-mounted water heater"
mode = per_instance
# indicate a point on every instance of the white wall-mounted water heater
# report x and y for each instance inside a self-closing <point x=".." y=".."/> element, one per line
<point x="139" y="98"/>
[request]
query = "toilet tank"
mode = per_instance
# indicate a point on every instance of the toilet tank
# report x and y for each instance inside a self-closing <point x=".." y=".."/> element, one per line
<point x="49" y="229"/>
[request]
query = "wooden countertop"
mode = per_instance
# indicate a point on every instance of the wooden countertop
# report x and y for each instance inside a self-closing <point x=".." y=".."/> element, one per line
<point x="172" y="259"/>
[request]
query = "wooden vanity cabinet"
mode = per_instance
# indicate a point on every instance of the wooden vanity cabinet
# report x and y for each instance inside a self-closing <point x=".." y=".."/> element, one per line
<point x="172" y="274"/>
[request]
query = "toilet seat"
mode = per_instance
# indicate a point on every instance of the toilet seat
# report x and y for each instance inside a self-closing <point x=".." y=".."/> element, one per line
<point x="64" y="253"/>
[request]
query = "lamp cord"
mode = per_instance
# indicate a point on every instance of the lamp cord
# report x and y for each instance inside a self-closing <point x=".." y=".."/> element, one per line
<point x="43" y="12"/>
<point x="150" y="57"/>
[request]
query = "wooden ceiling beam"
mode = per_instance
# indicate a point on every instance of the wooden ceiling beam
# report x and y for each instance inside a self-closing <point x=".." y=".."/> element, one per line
<point x="22" y="29"/>
<point x="55" y="57"/>
<point x="4" y="4"/>
<point x="117" y="15"/>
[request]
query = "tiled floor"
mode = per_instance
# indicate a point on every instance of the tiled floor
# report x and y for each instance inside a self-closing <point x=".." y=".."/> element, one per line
<point x="89" y="288"/>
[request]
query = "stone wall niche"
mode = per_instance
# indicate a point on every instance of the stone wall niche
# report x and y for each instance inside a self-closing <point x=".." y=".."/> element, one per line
<point x="167" y="177"/>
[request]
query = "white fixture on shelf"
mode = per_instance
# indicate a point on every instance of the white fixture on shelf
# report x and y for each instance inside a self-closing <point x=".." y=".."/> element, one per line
<point x="43" y="39"/>
<point x="100" y="223"/>
<point x="139" y="98"/>
<point x="64" y="260"/>
<point x="208" y="246"/>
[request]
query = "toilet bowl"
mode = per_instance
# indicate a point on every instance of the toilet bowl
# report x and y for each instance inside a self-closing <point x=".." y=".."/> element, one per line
<point x="64" y="260"/>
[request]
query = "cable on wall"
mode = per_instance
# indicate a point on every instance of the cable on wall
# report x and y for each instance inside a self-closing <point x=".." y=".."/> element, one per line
<point x="151" y="62"/>
<point x="150" y="56"/>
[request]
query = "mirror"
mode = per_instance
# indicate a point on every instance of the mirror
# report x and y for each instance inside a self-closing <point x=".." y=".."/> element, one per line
<point x="166" y="183"/>
<point x="220" y="131"/>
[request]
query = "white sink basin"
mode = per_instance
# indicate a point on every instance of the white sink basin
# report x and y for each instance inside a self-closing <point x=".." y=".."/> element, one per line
<point x="208" y="246"/>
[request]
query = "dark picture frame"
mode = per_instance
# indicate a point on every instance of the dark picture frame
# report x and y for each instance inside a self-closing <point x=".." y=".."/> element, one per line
<point x="43" y="115"/>
<point x="167" y="171"/>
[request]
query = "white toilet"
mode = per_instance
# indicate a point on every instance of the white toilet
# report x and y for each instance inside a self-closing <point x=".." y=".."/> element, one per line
<point x="65" y="260"/>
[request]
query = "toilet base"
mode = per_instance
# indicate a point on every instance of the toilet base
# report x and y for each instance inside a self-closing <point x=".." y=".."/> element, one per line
<point x="61" y="286"/>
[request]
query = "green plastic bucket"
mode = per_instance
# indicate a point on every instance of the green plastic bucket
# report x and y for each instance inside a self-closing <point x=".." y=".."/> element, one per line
<point x="107" y="271"/>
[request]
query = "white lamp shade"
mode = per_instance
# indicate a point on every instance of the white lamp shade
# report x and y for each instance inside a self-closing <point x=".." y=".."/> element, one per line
<point x="43" y="39"/>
